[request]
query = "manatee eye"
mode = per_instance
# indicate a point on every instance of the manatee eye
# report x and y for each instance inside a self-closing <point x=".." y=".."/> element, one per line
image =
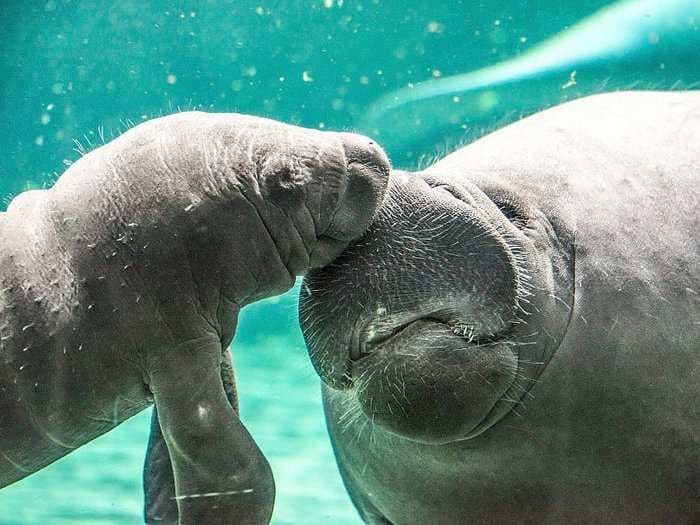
<point x="453" y="191"/>
<point x="512" y="208"/>
<point x="448" y="189"/>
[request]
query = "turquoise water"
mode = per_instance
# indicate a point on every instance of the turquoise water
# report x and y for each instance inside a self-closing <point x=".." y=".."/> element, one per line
<point x="84" y="70"/>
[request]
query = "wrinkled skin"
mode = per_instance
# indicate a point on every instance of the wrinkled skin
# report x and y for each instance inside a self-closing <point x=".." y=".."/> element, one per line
<point x="121" y="287"/>
<point x="517" y="340"/>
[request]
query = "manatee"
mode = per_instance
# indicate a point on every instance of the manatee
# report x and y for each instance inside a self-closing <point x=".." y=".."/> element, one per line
<point x="121" y="286"/>
<point x="516" y="337"/>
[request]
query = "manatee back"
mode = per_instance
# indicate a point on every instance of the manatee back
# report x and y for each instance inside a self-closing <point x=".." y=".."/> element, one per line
<point x="590" y="153"/>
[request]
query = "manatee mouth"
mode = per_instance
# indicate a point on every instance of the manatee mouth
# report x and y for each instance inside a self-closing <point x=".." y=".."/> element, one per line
<point x="366" y="340"/>
<point x="429" y="378"/>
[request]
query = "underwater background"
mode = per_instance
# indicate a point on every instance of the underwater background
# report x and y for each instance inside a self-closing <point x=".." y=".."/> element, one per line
<point x="422" y="77"/>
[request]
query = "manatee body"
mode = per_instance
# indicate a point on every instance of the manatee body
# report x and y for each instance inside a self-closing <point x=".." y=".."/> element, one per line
<point x="121" y="285"/>
<point x="518" y="339"/>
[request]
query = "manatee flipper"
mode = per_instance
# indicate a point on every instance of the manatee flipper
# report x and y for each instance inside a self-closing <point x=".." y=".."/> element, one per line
<point x="160" y="505"/>
<point x="209" y="494"/>
<point x="158" y="481"/>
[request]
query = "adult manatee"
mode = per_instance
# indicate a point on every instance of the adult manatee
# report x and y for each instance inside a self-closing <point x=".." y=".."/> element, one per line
<point x="518" y="335"/>
<point x="121" y="286"/>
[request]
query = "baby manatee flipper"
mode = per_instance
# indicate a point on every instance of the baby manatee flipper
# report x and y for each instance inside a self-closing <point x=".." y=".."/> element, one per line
<point x="231" y="481"/>
<point x="160" y="506"/>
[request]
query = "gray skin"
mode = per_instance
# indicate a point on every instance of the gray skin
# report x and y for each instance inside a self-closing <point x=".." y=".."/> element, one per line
<point x="518" y="336"/>
<point x="121" y="287"/>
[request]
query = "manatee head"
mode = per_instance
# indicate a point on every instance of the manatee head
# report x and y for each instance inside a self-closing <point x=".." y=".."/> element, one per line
<point x="436" y="322"/>
<point x="310" y="191"/>
<point x="252" y="203"/>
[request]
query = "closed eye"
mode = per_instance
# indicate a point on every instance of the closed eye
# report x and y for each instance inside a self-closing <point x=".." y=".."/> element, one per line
<point x="448" y="189"/>
<point x="512" y="209"/>
<point x="454" y="192"/>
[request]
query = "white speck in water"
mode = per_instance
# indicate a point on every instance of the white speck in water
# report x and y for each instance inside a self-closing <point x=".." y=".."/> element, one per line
<point x="190" y="207"/>
<point x="39" y="141"/>
<point x="306" y="76"/>
<point x="45" y="118"/>
<point x="434" y="27"/>
<point x="171" y="79"/>
<point x="571" y="81"/>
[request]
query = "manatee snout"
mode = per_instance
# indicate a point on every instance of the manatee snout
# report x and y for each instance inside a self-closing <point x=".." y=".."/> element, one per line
<point x="414" y="321"/>
<point x="349" y="203"/>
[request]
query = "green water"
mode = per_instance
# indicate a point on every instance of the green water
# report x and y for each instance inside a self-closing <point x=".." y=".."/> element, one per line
<point x="87" y="69"/>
